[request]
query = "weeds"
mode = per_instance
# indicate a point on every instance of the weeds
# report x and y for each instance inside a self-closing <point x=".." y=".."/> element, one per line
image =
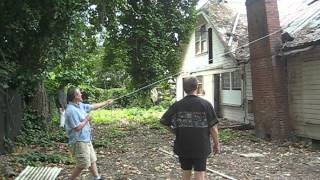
<point x="134" y="115"/>
<point x="102" y="143"/>
<point x="226" y="135"/>
<point x="36" y="158"/>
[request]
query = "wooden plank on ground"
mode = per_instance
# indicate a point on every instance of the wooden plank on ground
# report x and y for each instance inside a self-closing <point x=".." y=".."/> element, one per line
<point x="39" y="173"/>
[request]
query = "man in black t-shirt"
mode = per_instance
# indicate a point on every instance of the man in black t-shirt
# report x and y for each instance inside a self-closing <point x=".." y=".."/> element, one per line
<point x="192" y="120"/>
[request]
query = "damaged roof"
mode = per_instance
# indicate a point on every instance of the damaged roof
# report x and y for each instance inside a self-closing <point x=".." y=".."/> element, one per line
<point x="231" y="27"/>
<point x="301" y="20"/>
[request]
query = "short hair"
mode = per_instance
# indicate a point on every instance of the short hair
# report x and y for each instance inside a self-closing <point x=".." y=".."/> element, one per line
<point x="190" y="84"/>
<point x="71" y="94"/>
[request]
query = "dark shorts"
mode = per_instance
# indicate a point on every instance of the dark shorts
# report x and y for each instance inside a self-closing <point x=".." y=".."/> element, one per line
<point x="198" y="164"/>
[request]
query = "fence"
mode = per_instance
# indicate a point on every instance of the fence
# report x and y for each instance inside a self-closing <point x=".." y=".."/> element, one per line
<point x="11" y="113"/>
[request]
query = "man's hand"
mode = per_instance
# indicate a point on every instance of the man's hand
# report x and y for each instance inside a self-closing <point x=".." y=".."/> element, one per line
<point x="89" y="118"/>
<point x="101" y="104"/>
<point x="83" y="123"/>
<point x="109" y="102"/>
<point x="61" y="110"/>
<point x="216" y="148"/>
<point x="215" y="138"/>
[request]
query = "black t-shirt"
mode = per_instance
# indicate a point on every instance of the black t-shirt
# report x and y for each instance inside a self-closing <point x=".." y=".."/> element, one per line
<point x="191" y="119"/>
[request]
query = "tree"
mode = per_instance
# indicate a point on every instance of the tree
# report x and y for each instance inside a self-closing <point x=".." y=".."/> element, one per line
<point x="82" y="56"/>
<point x="33" y="38"/>
<point x="150" y="35"/>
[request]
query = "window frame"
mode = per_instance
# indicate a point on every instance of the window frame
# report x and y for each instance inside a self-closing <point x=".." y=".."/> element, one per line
<point x="232" y="80"/>
<point x="236" y="80"/>
<point x="225" y="86"/>
<point x="231" y="96"/>
<point x="200" y="90"/>
<point x="201" y="40"/>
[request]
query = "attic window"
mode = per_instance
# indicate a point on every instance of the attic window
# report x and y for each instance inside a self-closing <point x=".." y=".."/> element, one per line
<point x="201" y="40"/>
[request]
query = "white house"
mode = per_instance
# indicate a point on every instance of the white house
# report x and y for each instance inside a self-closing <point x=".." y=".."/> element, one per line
<point x="218" y="54"/>
<point x="213" y="57"/>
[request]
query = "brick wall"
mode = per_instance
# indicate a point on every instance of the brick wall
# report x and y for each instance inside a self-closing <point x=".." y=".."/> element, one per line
<point x="269" y="82"/>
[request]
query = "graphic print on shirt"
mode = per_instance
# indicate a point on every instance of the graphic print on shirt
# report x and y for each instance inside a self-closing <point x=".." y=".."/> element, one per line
<point x="190" y="119"/>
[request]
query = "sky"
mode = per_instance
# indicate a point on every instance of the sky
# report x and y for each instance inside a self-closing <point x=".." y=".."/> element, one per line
<point x="200" y="3"/>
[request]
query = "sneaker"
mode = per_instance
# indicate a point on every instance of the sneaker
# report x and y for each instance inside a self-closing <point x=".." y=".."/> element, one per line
<point x="100" y="178"/>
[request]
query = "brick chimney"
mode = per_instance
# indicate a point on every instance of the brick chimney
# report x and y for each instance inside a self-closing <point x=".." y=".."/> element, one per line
<point x="269" y="83"/>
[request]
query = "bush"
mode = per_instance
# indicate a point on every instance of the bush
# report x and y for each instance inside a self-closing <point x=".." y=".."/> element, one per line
<point x="34" y="132"/>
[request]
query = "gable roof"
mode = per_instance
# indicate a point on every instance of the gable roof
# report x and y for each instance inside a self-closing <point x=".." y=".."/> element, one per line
<point x="230" y="27"/>
<point x="299" y="19"/>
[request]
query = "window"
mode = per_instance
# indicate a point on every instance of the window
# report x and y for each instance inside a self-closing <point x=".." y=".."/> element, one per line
<point x="201" y="40"/>
<point x="231" y="88"/>
<point x="226" y="81"/>
<point x="200" y="90"/>
<point x="236" y="80"/>
<point x="231" y="81"/>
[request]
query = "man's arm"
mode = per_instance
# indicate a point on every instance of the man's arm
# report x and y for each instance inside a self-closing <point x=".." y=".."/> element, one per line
<point x="104" y="103"/>
<point x="169" y="128"/>
<point x="82" y="123"/>
<point x="215" y="137"/>
<point x="166" y="118"/>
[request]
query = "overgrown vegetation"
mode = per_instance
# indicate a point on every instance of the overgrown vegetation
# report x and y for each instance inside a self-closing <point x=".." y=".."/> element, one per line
<point x="36" y="158"/>
<point x="119" y="45"/>
<point x="34" y="132"/>
<point x="227" y="135"/>
<point x="121" y="123"/>
<point x="139" y="116"/>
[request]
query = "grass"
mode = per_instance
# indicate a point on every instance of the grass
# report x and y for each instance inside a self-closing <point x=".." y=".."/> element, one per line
<point x="139" y="116"/>
<point x="148" y="117"/>
<point x="226" y="135"/>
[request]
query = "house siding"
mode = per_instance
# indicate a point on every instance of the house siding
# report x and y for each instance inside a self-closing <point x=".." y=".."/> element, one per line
<point x="248" y="79"/>
<point x="234" y="113"/>
<point x="304" y="92"/>
<point x="248" y="101"/>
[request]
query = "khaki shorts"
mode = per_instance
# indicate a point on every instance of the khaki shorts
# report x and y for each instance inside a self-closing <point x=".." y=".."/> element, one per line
<point x="83" y="153"/>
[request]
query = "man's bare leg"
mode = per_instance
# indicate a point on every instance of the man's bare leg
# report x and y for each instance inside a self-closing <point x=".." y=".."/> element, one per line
<point x="200" y="175"/>
<point x="186" y="175"/>
<point x="75" y="173"/>
<point x="94" y="170"/>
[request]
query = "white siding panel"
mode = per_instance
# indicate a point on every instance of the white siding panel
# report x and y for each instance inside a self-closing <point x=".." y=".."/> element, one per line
<point x="250" y="118"/>
<point x="233" y="113"/>
<point x="208" y="88"/>
<point x="248" y="81"/>
<point x="179" y="88"/>
<point x="304" y="96"/>
<point x="308" y="130"/>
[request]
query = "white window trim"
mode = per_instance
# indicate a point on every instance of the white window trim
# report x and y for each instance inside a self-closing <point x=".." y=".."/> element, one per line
<point x="231" y="92"/>
<point x="202" y="50"/>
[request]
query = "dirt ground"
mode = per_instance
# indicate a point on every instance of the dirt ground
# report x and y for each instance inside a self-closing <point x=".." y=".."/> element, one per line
<point x="139" y="154"/>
